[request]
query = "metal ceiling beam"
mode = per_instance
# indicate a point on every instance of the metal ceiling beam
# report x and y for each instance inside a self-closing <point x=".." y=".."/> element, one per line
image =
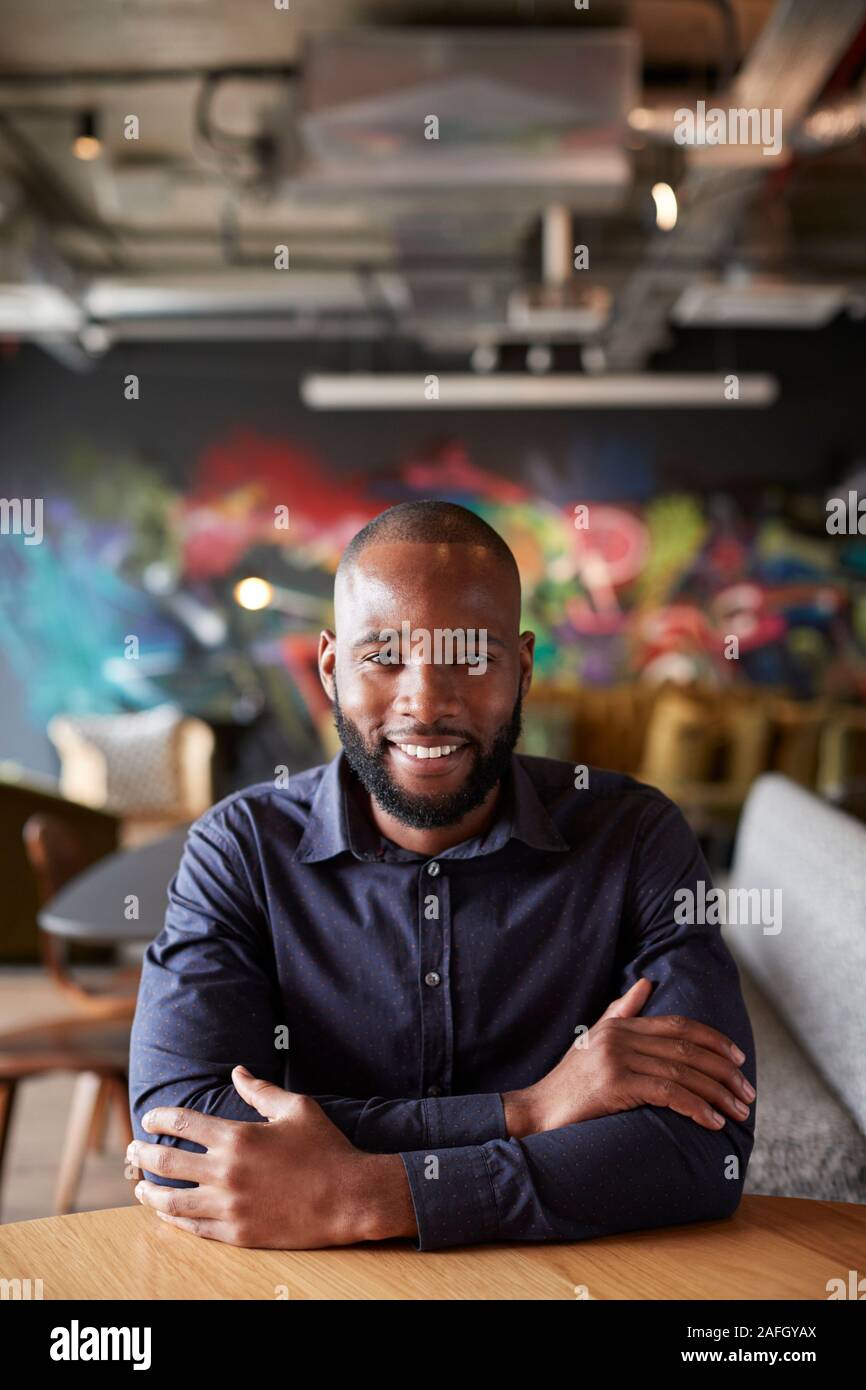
<point x="790" y="63"/>
<point x="797" y="50"/>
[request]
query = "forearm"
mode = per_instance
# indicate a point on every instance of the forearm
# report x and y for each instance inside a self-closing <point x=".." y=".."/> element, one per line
<point x="376" y="1127"/>
<point x="638" y="1169"/>
<point x="384" y="1126"/>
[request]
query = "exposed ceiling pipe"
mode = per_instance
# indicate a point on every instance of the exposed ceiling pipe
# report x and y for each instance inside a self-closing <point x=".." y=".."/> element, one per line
<point x="126" y="77"/>
<point x="830" y="125"/>
<point x="836" y="123"/>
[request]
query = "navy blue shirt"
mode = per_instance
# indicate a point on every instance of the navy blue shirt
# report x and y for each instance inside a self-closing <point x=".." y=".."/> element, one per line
<point x="413" y="992"/>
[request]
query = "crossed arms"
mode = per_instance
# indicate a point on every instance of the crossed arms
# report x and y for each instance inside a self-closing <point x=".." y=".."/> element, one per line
<point x="617" y="1136"/>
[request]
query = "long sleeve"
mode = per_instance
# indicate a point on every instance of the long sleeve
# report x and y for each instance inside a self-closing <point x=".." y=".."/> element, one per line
<point x="208" y="1000"/>
<point x="635" y="1169"/>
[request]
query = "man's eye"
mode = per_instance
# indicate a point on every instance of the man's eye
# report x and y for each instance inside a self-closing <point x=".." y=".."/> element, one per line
<point x="374" y="656"/>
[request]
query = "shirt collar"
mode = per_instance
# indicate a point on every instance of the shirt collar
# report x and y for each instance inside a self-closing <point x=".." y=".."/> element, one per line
<point x="336" y="823"/>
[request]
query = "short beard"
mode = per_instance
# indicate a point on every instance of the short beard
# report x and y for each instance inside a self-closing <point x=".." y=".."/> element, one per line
<point x="430" y="811"/>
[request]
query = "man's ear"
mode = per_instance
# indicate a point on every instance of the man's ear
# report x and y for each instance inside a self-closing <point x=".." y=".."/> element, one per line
<point x="527" y="658"/>
<point x="327" y="660"/>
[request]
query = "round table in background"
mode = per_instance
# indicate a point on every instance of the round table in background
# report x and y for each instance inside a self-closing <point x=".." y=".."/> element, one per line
<point x="93" y="906"/>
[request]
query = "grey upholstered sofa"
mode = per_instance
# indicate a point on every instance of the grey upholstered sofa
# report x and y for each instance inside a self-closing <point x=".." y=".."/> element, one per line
<point x="805" y="989"/>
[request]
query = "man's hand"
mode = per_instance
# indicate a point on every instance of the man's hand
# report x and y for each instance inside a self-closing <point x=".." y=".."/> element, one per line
<point x="296" y="1183"/>
<point x="624" y="1062"/>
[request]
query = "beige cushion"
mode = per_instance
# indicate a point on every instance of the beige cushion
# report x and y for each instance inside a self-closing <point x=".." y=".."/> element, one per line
<point x="125" y="763"/>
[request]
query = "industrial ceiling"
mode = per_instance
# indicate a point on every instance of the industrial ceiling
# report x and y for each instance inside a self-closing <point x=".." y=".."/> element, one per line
<point x="245" y="113"/>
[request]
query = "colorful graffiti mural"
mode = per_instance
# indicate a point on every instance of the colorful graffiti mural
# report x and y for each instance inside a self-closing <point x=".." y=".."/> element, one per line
<point x="614" y="591"/>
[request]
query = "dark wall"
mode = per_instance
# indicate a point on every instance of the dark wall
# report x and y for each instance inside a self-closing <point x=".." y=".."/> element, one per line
<point x="192" y="395"/>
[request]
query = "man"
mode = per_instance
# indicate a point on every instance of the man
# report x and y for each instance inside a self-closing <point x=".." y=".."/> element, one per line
<point x="497" y="1027"/>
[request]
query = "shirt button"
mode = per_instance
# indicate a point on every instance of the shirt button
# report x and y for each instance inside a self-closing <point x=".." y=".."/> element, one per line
<point x="434" y="1090"/>
<point x="433" y="869"/>
<point x="432" y="978"/>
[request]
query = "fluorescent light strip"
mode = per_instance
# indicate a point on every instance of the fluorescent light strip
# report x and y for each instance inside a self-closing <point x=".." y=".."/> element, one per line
<point x="367" y="391"/>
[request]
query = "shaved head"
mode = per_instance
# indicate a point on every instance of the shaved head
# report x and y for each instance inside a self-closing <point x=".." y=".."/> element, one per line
<point x="435" y="524"/>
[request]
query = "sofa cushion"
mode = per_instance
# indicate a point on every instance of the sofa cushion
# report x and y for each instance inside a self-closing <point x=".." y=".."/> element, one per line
<point x="807" y="1143"/>
<point x="811" y="966"/>
<point x="128" y="763"/>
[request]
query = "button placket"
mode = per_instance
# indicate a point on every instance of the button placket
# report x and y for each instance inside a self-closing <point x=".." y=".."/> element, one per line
<point x="434" y="951"/>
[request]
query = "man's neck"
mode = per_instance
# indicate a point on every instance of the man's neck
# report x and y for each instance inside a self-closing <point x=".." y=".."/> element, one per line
<point x="433" y="842"/>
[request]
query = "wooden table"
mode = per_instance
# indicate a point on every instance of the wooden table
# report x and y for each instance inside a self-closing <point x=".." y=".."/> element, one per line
<point x="772" y="1248"/>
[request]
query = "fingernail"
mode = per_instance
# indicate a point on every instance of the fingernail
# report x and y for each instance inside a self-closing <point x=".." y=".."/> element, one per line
<point x="737" y="1055"/>
<point x="719" y="1119"/>
<point x="741" y="1109"/>
<point x="749" y="1089"/>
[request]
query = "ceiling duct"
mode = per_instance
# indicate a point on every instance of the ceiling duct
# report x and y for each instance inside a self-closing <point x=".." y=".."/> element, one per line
<point x="238" y="292"/>
<point x="408" y="112"/>
<point x="758" y="302"/>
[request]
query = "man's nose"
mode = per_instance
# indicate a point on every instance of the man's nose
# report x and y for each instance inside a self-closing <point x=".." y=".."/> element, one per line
<point x="427" y="691"/>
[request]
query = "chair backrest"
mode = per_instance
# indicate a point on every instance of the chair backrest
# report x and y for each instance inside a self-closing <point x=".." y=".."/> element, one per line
<point x="56" y="851"/>
<point x="18" y="801"/>
<point x="813" y="969"/>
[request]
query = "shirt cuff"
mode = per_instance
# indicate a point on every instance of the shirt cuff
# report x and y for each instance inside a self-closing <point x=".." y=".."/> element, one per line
<point x="452" y="1121"/>
<point x="452" y="1193"/>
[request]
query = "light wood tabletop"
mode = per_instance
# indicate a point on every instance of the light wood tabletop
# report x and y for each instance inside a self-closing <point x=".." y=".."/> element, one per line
<point x="772" y="1248"/>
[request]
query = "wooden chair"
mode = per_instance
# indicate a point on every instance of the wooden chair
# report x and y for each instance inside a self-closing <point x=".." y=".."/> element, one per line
<point x="98" y="833"/>
<point x="91" y="1039"/>
<point x="56" y="853"/>
<point x="97" y="1050"/>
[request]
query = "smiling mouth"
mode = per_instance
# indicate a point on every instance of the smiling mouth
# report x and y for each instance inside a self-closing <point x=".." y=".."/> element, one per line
<point x="424" y="751"/>
<point x="436" y="757"/>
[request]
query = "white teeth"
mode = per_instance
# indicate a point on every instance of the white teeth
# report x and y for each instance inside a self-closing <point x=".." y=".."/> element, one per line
<point x="440" y="751"/>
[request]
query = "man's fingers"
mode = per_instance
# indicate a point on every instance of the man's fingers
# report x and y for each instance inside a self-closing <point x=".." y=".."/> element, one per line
<point x="180" y="1201"/>
<point x="183" y="1123"/>
<point x="657" y="1090"/>
<point x="264" y="1096"/>
<point x="631" y="1002"/>
<point x="169" y="1162"/>
<point x="681" y="1051"/>
<point x="694" y="1081"/>
<point x="675" y="1026"/>
<point x="196" y="1226"/>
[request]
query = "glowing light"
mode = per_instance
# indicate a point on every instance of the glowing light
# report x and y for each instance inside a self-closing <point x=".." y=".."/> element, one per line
<point x="253" y="594"/>
<point x="86" y="147"/>
<point x="666" y="206"/>
<point x="87" y="144"/>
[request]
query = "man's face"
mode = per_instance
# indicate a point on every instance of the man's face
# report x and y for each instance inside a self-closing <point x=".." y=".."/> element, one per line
<point x="398" y="719"/>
